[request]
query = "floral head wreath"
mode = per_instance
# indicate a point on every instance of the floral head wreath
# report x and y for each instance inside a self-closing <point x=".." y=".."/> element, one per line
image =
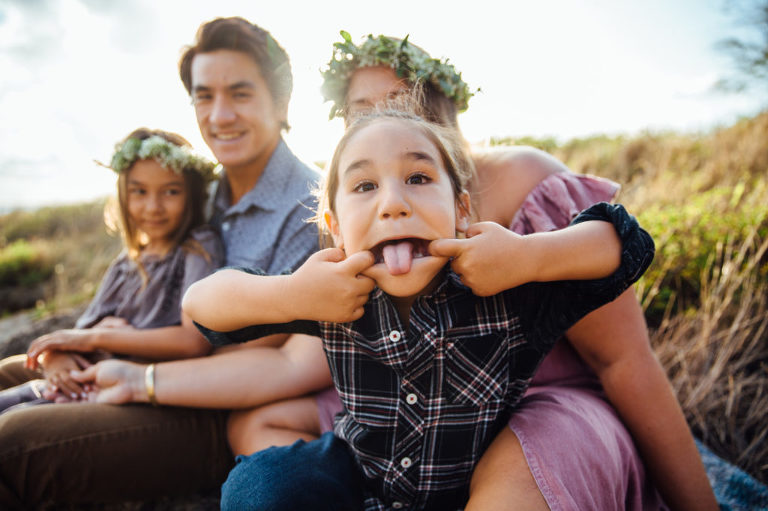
<point x="169" y="155"/>
<point x="409" y="62"/>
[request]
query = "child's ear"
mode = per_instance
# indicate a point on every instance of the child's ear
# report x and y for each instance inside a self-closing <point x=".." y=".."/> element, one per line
<point x="333" y="228"/>
<point x="463" y="211"/>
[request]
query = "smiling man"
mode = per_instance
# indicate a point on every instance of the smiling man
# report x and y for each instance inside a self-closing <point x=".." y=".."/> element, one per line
<point x="240" y="83"/>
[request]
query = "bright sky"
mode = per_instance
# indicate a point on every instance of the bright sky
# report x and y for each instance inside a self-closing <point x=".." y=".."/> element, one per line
<point x="78" y="75"/>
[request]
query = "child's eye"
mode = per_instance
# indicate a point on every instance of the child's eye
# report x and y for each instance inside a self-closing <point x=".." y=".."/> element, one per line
<point x="136" y="191"/>
<point x="365" y="186"/>
<point x="173" y="191"/>
<point x="241" y="95"/>
<point x="418" y="179"/>
<point x="200" y="98"/>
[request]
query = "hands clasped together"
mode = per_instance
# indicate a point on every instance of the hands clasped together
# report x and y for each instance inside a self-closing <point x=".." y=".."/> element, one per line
<point x="59" y="356"/>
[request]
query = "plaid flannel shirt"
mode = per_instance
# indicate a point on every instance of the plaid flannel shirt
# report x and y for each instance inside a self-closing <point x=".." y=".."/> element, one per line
<point x="423" y="401"/>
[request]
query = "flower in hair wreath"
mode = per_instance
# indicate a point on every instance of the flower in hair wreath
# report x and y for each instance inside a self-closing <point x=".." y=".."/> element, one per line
<point x="408" y="61"/>
<point x="169" y="155"/>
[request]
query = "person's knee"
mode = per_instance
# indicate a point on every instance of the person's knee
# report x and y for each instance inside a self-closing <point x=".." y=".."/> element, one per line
<point x="503" y="480"/>
<point x="245" y="427"/>
<point x="246" y="421"/>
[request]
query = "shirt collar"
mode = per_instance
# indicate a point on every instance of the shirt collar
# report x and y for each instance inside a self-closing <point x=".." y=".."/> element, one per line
<point x="267" y="191"/>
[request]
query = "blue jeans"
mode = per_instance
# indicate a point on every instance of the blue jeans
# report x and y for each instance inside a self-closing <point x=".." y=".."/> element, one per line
<point x="310" y="476"/>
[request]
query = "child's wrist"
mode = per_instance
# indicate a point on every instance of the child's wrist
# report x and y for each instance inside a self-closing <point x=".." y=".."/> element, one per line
<point x="288" y="300"/>
<point x="95" y="339"/>
<point x="532" y="257"/>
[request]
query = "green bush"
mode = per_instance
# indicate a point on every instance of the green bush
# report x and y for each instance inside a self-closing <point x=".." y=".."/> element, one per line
<point x="690" y="238"/>
<point x="23" y="264"/>
<point x="52" y="221"/>
<point x="548" y="144"/>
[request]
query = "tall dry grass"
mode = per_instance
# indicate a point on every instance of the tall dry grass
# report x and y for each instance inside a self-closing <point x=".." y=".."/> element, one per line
<point x="706" y="199"/>
<point x="717" y="356"/>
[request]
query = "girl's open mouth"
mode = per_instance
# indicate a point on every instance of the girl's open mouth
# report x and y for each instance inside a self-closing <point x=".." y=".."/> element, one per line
<point x="399" y="254"/>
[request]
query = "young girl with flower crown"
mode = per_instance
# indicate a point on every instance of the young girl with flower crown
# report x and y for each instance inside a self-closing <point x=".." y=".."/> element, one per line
<point x="136" y="312"/>
<point x="431" y="340"/>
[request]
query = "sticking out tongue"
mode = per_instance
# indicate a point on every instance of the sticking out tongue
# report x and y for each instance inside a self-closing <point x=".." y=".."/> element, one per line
<point x="398" y="257"/>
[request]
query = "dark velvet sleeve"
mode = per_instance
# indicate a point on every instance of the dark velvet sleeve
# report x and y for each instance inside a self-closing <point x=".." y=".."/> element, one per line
<point x="548" y="309"/>
<point x="252" y="332"/>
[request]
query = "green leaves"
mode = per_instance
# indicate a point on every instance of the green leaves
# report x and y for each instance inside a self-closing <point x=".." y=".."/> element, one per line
<point x="177" y="158"/>
<point x="407" y="60"/>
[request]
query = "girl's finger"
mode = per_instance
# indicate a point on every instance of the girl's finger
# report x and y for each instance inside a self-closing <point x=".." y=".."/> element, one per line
<point x="87" y="375"/>
<point x="81" y="361"/>
<point x="446" y="247"/>
<point x="359" y="261"/>
<point x="475" y="229"/>
<point x="31" y="362"/>
<point x="36" y="350"/>
<point x="70" y="388"/>
<point x="333" y="255"/>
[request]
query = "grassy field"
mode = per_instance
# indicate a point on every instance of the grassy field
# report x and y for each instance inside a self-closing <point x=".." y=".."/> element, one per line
<point x="703" y="197"/>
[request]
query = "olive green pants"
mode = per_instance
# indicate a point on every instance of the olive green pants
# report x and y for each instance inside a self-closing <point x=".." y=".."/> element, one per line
<point x="13" y="372"/>
<point x="95" y="453"/>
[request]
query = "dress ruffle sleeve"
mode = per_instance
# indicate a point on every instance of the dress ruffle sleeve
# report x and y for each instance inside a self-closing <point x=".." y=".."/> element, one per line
<point x="556" y="200"/>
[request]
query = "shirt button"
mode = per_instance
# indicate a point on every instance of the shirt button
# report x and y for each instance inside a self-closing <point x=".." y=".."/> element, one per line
<point x="406" y="462"/>
<point x="225" y="226"/>
<point x="411" y="399"/>
<point x="397" y="505"/>
<point x="394" y="336"/>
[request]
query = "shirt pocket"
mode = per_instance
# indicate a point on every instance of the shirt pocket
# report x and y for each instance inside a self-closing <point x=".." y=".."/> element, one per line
<point x="371" y="442"/>
<point x="477" y="369"/>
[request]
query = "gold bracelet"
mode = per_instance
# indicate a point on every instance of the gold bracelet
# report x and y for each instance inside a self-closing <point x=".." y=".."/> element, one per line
<point x="149" y="384"/>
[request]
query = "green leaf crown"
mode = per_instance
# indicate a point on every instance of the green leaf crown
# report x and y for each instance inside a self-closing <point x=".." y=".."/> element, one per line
<point x="169" y="155"/>
<point x="408" y="61"/>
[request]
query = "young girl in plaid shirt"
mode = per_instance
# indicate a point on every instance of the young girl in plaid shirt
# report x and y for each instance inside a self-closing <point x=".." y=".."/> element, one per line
<point x="431" y="340"/>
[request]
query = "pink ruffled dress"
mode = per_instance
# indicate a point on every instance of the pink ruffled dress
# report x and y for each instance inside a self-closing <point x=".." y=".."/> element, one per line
<point x="577" y="448"/>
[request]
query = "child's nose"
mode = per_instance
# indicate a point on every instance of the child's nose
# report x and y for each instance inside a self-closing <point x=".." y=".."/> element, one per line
<point x="394" y="203"/>
<point x="154" y="202"/>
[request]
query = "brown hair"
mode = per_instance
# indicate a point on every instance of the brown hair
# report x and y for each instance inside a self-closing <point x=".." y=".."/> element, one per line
<point x="449" y="145"/>
<point x="118" y="218"/>
<point x="238" y="34"/>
